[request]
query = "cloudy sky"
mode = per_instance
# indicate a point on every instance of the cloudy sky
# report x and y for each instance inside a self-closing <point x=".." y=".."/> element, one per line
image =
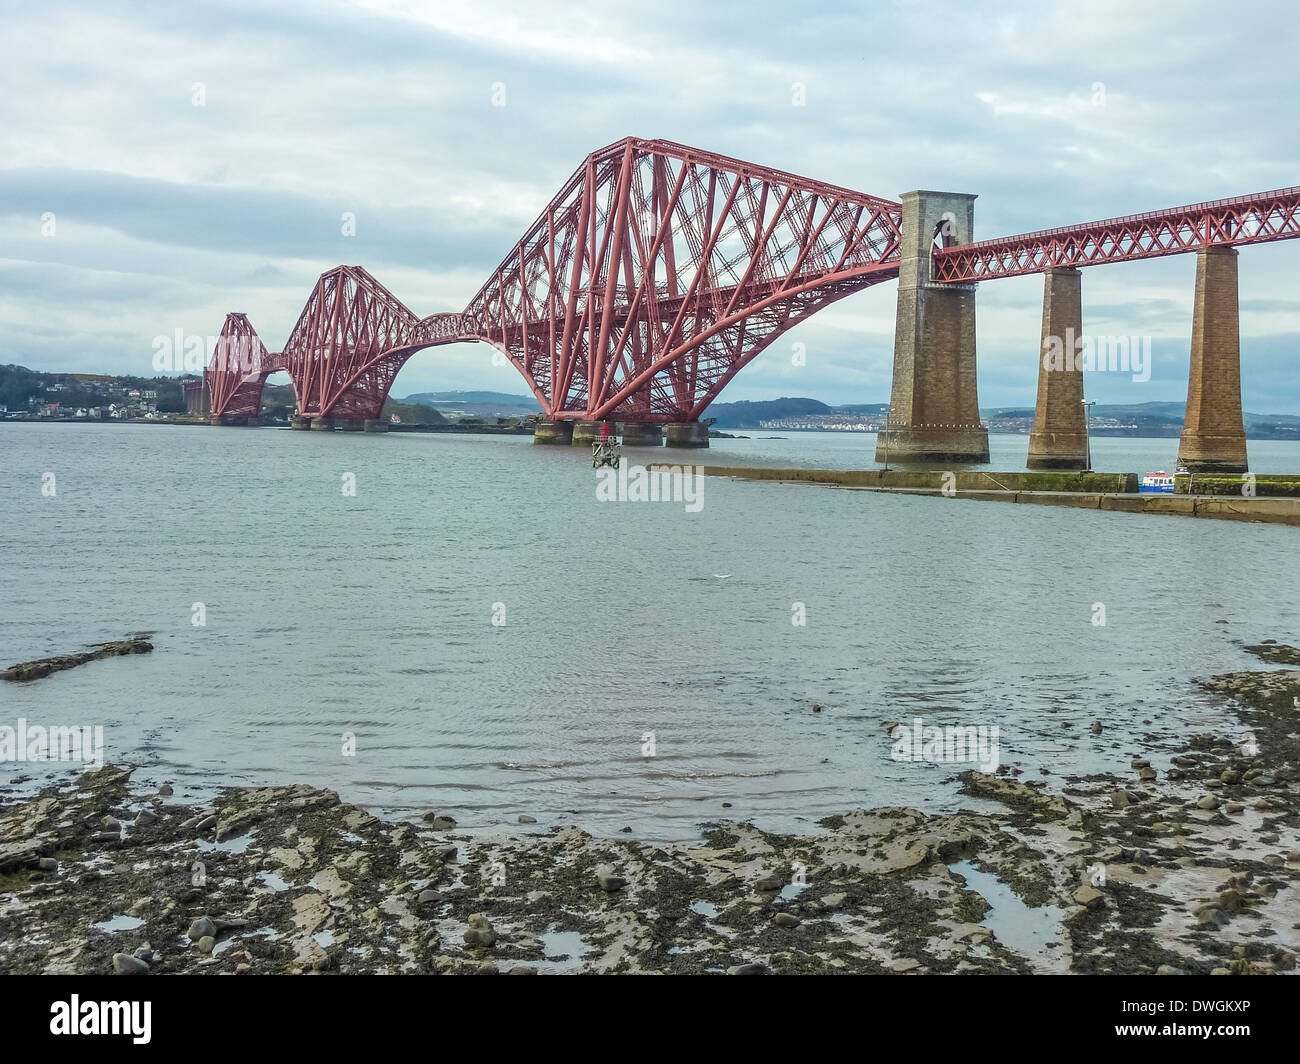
<point x="197" y="158"/>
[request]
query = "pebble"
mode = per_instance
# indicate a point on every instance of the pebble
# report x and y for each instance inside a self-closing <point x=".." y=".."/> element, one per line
<point x="480" y="932"/>
<point x="1089" y="896"/>
<point x="202" y="928"/>
<point x="785" y="920"/>
<point x="207" y="944"/>
<point x="1208" y="802"/>
<point x="125" y="964"/>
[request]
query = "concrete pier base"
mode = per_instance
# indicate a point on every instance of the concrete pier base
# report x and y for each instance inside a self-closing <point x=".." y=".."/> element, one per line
<point x="1059" y="438"/>
<point x="302" y="423"/>
<point x="351" y="424"/>
<point x="641" y="434"/>
<point x="934" y="409"/>
<point x="686" y="434"/>
<point x="553" y="432"/>
<point x="375" y="424"/>
<point x="227" y="421"/>
<point x="585" y="433"/>
<point x="1214" y="434"/>
<point x="322" y="424"/>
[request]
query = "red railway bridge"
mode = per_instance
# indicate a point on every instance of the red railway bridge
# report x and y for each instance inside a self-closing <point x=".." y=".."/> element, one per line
<point x="659" y="271"/>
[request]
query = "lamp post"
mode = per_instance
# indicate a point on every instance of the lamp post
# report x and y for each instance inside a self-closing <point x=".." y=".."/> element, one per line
<point x="1088" y="404"/>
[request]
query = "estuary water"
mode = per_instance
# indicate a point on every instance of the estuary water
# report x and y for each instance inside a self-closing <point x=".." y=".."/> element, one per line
<point x="647" y="663"/>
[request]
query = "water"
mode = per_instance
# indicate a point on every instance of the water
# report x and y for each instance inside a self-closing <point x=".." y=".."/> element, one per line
<point x="372" y="615"/>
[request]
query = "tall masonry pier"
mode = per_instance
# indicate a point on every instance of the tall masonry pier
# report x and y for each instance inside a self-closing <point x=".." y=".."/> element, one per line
<point x="934" y="409"/>
<point x="1214" y="434"/>
<point x="1059" y="439"/>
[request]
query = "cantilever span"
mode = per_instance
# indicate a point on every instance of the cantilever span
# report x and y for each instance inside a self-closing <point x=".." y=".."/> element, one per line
<point x="654" y="275"/>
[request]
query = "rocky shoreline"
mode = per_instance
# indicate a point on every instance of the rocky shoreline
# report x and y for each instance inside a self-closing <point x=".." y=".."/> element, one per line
<point x="1189" y="865"/>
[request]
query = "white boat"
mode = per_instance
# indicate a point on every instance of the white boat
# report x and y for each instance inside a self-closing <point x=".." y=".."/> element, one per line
<point x="1160" y="481"/>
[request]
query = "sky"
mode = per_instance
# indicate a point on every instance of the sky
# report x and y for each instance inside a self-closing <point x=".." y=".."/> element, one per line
<point x="162" y="164"/>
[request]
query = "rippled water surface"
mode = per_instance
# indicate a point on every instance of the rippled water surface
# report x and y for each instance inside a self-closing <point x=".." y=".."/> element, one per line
<point x="328" y="614"/>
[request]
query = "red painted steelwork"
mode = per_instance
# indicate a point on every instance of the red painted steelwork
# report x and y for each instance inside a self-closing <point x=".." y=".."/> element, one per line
<point x="1242" y="220"/>
<point x="655" y="274"/>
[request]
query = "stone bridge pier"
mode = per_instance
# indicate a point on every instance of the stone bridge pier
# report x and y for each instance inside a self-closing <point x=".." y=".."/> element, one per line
<point x="1214" y="432"/>
<point x="934" y="409"/>
<point x="1059" y="438"/>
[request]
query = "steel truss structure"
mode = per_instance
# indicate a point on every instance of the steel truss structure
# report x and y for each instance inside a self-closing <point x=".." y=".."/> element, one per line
<point x="657" y="273"/>
<point x="1251" y="219"/>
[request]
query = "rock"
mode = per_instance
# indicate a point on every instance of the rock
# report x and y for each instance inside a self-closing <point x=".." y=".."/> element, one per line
<point x="785" y="920"/>
<point x="1211" y="917"/>
<point x="904" y="964"/>
<point x="1096" y="727"/>
<point x="1233" y="807"/>
<point x="1140" y="762"/>
<point x="145" y="817"/>
<point x="166" y="790"/>
<point x="427" y="897"/>
<point x="1293" y="857"/>
<point x="48" y="864"/>
<point x="748" y="969"/>
<point x="1207" y="802"/>
<point x="206" y="823"/>
<point x="522" y="969"/>
<point x="125" y="964"/>
<point x="480" y="932"/>
<point x="448" y="853"/>
<point x="1230" y="775"/>
<point x="609" y="882"/>
<point x="440" y="822"/>
<point x="888" y="725"/>
<point x="207" y="944"/>
<point x="769" y="883"/>
<point x="1147" y="774"/>
<point x="1169" y="969"/>
<point x="1276" y="860"/>
<point x="202" y="928"/>
<point x="1088" y="896"/>
<point x="1119" y="799"/>
<point x="524" y="818"/>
